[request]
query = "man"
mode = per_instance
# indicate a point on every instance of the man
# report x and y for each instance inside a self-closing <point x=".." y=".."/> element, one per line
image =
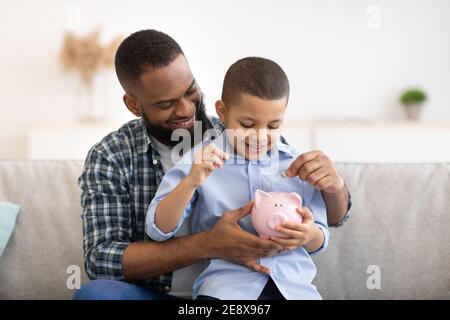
<point x="123" y="171"/>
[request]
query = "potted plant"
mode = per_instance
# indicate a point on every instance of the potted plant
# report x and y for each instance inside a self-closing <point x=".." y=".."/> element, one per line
<point x="412" y="100"/>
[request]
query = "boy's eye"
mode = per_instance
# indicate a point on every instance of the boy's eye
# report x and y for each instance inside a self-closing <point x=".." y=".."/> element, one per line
<point x="246" y="125"/>
<point x="274" y="127"/>
<point x="191" y="92"/>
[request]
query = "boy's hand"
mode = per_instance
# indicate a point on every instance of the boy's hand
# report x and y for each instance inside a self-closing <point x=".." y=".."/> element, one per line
<point x="206" y="160"/>
<point x="299" y="234"/>
<point x="318" y="170"/>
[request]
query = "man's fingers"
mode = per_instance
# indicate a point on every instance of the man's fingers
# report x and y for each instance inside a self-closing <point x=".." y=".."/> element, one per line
<point x="302" y="159"/>
<point x="323" y="182"/>
<point x="317" y="175"/>
<point x="286" y="242"/>
<point x="238" y="214"/>
<point x="308" y="168"/>
<point x="255" y="266"/>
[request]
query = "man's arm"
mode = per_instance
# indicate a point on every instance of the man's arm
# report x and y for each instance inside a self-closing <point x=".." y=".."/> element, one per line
<point x="337" y="205"/>
<point x="226" y="240"/>
<point x="107" y="229"/>
<point x="318" y="170"/>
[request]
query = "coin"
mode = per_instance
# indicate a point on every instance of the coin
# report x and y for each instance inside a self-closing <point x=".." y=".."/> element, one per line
<point x="284" y="173"/>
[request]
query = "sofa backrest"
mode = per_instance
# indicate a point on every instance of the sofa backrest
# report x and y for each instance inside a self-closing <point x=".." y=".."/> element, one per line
<point x="399" y="230"/>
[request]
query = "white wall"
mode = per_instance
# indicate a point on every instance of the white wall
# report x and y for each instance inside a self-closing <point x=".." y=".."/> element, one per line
<point x="338" y="64"/>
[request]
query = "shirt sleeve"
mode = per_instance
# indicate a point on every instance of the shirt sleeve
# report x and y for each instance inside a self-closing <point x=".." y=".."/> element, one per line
<point x="107" y="229"/>
<point x="171" y="179"/>
<point x="318" y="209"/>
<point x="347" y="214"/>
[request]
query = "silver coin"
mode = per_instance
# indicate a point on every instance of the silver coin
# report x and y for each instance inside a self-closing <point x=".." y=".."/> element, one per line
<point x="284" y="173"/>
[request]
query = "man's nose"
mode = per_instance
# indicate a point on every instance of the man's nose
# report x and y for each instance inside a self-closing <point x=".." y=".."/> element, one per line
<point x="184" y="108"/>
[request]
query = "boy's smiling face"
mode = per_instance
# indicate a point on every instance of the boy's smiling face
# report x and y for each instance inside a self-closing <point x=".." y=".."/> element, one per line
<point x="253" y="124"/>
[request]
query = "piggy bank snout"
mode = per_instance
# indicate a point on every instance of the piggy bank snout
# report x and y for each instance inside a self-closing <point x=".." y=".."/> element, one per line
<point x="276" y="220"/>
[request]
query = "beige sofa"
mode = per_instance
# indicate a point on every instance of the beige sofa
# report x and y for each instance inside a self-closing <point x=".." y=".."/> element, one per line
<point x="400" y="224"/>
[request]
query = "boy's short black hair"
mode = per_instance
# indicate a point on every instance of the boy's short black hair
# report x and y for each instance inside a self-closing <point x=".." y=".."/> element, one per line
<point x="142" y="51"/>
<point x="255" y="76"/>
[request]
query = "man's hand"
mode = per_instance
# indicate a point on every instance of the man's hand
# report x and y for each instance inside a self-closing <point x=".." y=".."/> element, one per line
<point x="317" y="169"/>
<point x="305" y="234"/>
<point x="229" y="241"/>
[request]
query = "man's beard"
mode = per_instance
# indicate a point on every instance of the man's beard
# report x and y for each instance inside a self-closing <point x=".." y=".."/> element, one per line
<point x="164" y="135"/>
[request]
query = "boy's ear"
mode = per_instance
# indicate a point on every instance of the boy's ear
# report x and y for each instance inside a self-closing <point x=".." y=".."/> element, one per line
<point x="221" y="110"/>
<point x="132" y="104"/>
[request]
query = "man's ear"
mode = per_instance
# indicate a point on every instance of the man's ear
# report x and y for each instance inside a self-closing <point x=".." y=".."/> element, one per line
<point x="221" y="110"/>
<point x="132" y="104"/>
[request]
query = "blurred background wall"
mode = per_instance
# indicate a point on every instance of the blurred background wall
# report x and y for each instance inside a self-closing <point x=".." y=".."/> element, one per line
<point x="347" y="61"/>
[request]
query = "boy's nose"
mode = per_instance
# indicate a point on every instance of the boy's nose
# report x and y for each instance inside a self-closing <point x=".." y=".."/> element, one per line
<point x="260" y="137"/>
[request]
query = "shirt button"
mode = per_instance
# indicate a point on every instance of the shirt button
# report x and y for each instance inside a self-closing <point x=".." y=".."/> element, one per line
<point x="155" y="161"/>
<point x="255" y="188"/>
<point x="166" y="288"/>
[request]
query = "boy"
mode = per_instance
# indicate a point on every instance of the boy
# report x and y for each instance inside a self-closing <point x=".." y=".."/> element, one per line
<point x="225" y="174"/>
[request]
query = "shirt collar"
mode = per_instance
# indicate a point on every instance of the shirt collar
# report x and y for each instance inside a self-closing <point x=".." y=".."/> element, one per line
<point x="143" y="140"/>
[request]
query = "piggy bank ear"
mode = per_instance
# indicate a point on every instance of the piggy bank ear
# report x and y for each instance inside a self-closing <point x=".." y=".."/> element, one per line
<point x="294" y="198"/>
<point x="260" y="196"/>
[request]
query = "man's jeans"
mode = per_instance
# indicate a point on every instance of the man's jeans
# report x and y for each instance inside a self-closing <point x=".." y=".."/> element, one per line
<point x="117" y="290"/>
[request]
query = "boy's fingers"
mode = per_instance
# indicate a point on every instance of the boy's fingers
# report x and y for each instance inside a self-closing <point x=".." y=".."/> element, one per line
<point x="305" y="213"/>
<point x="290" y="227"/>
<point x="219" y="152"/>
<point x="216" y="161"/>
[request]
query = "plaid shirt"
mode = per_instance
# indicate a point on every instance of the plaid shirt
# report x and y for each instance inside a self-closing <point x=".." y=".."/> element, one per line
<point x="120" y="178"/>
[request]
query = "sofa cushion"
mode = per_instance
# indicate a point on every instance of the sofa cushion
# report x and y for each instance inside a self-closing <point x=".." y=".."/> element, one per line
<point x="399" y="224"/>
<point x="48" y="236"/>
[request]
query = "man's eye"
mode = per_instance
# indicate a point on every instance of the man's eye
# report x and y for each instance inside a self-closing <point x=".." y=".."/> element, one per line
<point x="190" y="93"/>
<point x="166" y="105"/>
<point x="273" y="127"/>
<point x="246" y="125"/>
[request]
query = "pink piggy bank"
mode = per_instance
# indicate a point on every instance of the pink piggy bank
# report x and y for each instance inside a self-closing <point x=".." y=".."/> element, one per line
<point x="271" y="209"/>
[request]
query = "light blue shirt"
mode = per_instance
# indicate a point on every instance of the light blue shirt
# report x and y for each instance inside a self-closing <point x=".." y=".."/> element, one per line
<point x="232" y="187"/>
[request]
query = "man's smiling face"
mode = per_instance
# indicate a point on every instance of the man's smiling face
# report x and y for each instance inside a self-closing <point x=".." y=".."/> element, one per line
<point x="167" y="98"/>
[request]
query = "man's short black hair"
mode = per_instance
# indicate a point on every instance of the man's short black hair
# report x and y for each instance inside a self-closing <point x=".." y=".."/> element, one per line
<point x="255" y="76"/>
<point x="143" y="51"/>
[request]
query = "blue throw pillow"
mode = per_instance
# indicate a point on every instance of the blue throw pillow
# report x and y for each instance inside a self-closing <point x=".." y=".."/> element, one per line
<point x="8" y="215"/>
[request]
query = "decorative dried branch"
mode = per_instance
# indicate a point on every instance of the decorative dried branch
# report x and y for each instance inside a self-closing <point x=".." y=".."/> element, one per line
<point x="86" y="55"/>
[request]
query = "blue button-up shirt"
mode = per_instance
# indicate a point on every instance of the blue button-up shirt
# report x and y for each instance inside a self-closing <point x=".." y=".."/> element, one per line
<point x="229" y="188"/>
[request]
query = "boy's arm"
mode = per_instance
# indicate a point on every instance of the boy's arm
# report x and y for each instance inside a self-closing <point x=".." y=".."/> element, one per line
<point x="176" y="191"/>
<point x="318" y="208"/>
<point x="317" y="240"/>
<point x="170" y="209"/>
